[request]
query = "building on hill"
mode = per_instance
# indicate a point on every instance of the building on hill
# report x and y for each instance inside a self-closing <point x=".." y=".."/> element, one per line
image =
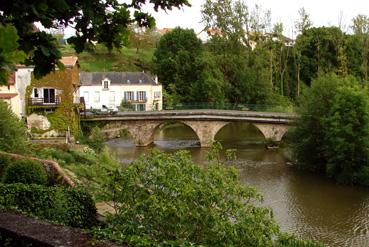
<point x="55" y="97"/>
<point x="135" y="91"/>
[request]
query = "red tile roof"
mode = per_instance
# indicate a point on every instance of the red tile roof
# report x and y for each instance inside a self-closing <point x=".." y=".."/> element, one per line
<point x="7" y="95"/>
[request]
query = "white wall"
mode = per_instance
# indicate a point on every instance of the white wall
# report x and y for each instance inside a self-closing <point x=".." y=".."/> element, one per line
<point x="93" y="101"/>
<point x="14" y="102"/>
<point x="22" y="81"/>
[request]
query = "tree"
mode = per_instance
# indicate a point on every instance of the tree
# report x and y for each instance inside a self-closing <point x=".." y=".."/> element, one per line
<point x="9" y="53"/>
<point x="321" y="52"/>
<point x="176" y="63"/>
<point x="13" y="136"/>
<point x="361" y="30"/>
<point x="331" y="135"/>
<point x="96" y="20"/>
<point x="141" y="38"/>
<point x="301" y="25"/>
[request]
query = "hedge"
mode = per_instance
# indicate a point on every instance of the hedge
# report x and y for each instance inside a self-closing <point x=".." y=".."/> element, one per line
<point x="69" y="206"/>
<point x="26" y="172"/>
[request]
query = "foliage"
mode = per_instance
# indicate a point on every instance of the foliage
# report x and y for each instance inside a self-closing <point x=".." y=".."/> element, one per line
<point x="13" y="136"/>
<point x="26" y="172"/>
<point x="72" y="207"/>
<point x="175" y="61"/>
<point x="332" y="131"/>
<point x="102" y="21"/>
<point x="9" y="55"/>
<point x="95" y="172"/>
<point x="163" y="198"/>
<point x="95" y="140"/>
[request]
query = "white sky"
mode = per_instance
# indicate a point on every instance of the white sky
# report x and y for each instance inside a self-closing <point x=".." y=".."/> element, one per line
<point x="322" y="13"/>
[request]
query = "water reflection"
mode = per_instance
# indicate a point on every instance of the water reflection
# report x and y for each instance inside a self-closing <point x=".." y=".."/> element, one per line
<point x="304" y="204"/>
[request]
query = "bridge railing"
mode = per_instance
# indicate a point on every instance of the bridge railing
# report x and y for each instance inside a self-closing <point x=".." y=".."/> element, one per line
<point x="227" y="106"/>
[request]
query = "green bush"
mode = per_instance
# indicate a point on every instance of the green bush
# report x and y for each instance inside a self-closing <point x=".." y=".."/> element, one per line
<point x="85" y="158"/>
<point x="26" y="172"/>
<point x="72" y="207"/>
<point x="56" y="154"/>
<point x="166" y="197"/>
<point x="334" y="127"/>
<point x="13" y="137"/>
<point x="95" y="140"/>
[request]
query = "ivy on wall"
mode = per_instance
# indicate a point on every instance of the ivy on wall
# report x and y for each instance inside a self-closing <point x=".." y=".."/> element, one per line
<point x="66" y="113"/>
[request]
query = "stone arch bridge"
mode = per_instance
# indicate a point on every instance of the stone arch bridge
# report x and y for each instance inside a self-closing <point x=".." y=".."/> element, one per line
<point x="205" y="123"/>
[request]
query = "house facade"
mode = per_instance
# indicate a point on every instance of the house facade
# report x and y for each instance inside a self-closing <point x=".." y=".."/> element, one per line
<point x="9" y="94"/>
<point x="135" y="91"/>
<point x="55" y="97"/>
<point x="57" y="87"/>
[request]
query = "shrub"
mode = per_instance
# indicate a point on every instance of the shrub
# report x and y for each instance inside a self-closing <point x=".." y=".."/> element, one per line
<point x="96" y="139"/>
<point x="166" y="197"/>
<point x="56" y="154"/>
<point x="72" y="207"/>
<point x="26" y="172"/>
<point x="86" y="158"/>
<point x="13" y="136"/>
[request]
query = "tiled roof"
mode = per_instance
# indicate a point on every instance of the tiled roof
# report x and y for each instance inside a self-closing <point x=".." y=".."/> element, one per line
<point x="69" y="61"/>
<point x="116" y="78"/>
<point x="7" y="95"/>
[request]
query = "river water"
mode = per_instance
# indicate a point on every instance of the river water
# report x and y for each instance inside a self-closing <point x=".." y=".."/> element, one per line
<point x="304" y="204"/>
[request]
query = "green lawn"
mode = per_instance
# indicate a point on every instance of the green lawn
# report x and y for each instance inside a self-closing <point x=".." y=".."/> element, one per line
<point x="127" y="59"/>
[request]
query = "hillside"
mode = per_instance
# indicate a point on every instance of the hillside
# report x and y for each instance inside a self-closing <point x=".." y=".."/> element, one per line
<point x="127" y="59"/>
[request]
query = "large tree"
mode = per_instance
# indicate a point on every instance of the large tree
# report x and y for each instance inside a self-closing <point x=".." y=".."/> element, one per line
<point x="176" y="61"/>
<point x="94" y="20"/>
<point x="332" y="132"/>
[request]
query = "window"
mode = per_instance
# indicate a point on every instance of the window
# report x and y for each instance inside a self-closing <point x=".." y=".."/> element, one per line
<point x="97" y="97"/>
<point x="128" y="96"/>
<point x="157" y="94"/>
<point x="141" y="107"/>
<point x="112" y="97"/>
<point x="141" y="95"/>
<point x="49" y="95"/>
<point x="36" y="93"/>
<point x="86" y="96"/>
<point x="106" y="84"/>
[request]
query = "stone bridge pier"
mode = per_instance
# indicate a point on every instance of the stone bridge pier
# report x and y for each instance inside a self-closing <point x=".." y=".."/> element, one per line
<point x="143" y="131"/>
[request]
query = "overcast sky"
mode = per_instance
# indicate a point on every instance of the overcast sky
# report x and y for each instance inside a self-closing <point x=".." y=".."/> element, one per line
<point x="322" y="13"/>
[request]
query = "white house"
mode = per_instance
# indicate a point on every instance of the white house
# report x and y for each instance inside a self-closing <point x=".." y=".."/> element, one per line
<point x="137" y="90"/>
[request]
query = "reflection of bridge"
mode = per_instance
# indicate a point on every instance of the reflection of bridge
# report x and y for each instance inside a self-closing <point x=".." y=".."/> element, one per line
<point x="205" y="123"/>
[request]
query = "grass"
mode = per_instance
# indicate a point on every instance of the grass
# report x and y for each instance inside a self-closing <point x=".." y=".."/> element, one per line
<point x="127" y="59"/>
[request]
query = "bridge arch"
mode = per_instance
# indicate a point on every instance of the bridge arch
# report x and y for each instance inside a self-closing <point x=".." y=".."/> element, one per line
<point x="182" y="123"/>
<point x="239" y="131"/>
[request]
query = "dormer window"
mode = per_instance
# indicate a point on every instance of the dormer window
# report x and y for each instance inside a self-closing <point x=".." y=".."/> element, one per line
<point x="128" y="81"/>
<point x="140" y="81"/>
<point x="105" y="84"/>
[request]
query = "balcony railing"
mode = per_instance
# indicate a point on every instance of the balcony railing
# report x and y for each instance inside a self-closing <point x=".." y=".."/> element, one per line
<point x="136" y="100"/>
<point x="44" y="102"/>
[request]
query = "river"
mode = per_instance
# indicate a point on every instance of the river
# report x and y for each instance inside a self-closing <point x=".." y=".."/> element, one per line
<point x="304" y="204"/>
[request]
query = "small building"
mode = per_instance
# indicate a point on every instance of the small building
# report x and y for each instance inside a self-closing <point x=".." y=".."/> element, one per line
<point x="59" y="86"/>
<point x="135" y="91"/>
<point x="55" y="96"/>
<point x="9" y="94"/>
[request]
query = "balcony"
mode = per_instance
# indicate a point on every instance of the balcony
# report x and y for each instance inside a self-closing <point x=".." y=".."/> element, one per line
<point x="44" y="102"/>
<point x="144" y="100"/>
